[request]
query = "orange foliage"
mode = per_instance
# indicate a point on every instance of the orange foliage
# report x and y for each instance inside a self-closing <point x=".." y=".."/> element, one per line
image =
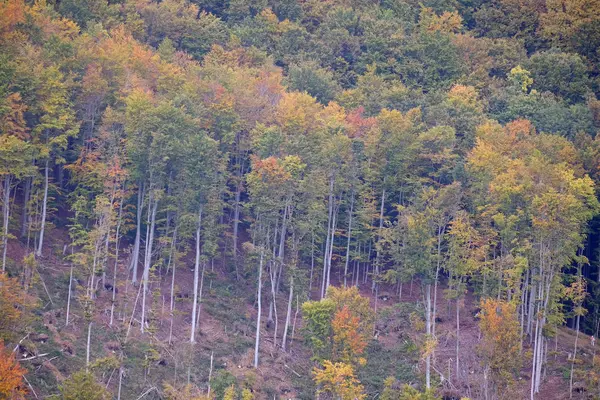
<point x="500" y="347"/>
<point x="11" y="375"/>
<point x="13" y="301"/>
<point x="348" y="341"/>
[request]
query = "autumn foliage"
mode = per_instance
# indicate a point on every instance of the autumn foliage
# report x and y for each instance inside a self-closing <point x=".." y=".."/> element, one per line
<point x="500" y="345"/>
<point x="339" y="380"/>
<point x="11" y="375"/>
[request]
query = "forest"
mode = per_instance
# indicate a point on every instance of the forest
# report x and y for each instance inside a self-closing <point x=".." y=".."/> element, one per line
<point x="299" y="199"/>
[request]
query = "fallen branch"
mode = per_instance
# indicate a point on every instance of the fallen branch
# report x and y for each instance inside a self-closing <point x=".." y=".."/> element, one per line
<point x="295" y="373"/>
<point x="34" y="357"/>
<point x="30" y="387"/>
<point x="146" y="392"/>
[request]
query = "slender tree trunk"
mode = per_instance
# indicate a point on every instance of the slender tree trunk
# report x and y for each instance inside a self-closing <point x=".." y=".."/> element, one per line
<point x="25" y="213"/>
<point x="120" y="383"/>
<point x="69" y="296"/>
<point x="329" y="225"/>
<point x="330" y="253"/>
<point x="117" y="242"/>
<point x="44" y="210"/>
<point x="573" y="360"/>
<point x="457" y="337"/>
<point x="272" y="276"/>
<point x="376" y="272"/>
<point x="437" y="276"/>
<point x="288" y="314"/>
<point x="87" y="351"/>
<point x="428" y="330"/>
<point x="148" y="258"/>
<point x="173" y="269"/>
<point x="196" y="278"/>
<point x="136" y="244"/>
<point x="349" y="236"/>
<point x="6" y="216"/>
<point x="236" y="217"/>
<point x="259" y="301"/>
<point x="312" y="263"/>
<point x="200" y="296"/>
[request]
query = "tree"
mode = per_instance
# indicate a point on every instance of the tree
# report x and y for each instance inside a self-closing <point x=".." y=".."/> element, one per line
<point x="500" y="346"/>
<point x="11" y="375"/>
<point x="15" y="304"/>
<point x="82" y="386"/>
<point x="339" y="380"/>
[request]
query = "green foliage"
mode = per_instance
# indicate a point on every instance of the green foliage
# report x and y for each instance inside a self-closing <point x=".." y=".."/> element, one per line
<point x="82" y="386"/>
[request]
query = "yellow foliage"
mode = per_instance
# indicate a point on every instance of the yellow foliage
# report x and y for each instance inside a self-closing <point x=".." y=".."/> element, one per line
<point x="339" y="380"/>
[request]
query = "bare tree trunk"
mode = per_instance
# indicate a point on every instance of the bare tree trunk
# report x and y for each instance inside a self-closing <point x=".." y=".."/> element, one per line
<point x="117" y="242"/>
<point x="259" y="301"/>
<point x="437" y="276"/>
<point x="196" y="278"/>
<point x="44" y="210"/>
<point x="330" y="253"/>
<point x="148" y="257"/>
<point x="457" y="337"/>
<point x="173" y="269"/>
<point x="69" y="296"/>
<point x="288" y="314"/>
<point x="25" y="214"/>
<point x="329" y="224"/>
<point x="573" y="360"/>
<point x="200" y="296"/>
<point x="272" y="276"/>
<point x="87" y="351"/>
<point x="6" y="215"/>
<point x="136" y="244"/>
<point x="349" y="236"/>
<point x="376" y="272"/>
<point x="428" y="330"/>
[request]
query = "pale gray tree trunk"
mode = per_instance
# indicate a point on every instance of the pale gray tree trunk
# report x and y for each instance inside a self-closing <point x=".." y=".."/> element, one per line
<point x="349" y="236"/>
<point x="259" y="301"/>
<point x="288" y="314"/>
<point x="428" y="331"/>
<point x="117" y="242"/>
<point x="196" y="278"/>
<point x="329" y="224"/>
<point x="153" y="203"/>
<point x="6" y="216"/>
<point x="44" y="210"/>
<point x="136" y="244"/>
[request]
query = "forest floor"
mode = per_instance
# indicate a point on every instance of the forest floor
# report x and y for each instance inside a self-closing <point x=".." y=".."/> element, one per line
<point x="227" y="328"/>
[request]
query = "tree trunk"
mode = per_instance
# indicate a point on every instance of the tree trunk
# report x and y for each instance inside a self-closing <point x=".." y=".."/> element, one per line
<point x="259" y="301"/>
<point x="329" y="224"/>
<point x="200" y="296"/>
<point x="25" y="214"/>
<point x="44" y="210"/>
<point x="136" y="244"/>
<point x="457" y="337"/>
<point x="288" y="315"/>
<point x="573" y="360"/>
<point x="196" y="278"/>
<point x="117" y="240"/>
<point x="349" y="236"/>
<point x="69" y="296"/>
<point x="330" y="253"/>
<point x="87" y="350"/>
<point x="6" y="215"/>
<point x="376" y="272"/>
<point x="272" y="276"/>
<point x="428" y="330"/>
<point x="148" y="258"/>
<point x="173" y="259"/>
